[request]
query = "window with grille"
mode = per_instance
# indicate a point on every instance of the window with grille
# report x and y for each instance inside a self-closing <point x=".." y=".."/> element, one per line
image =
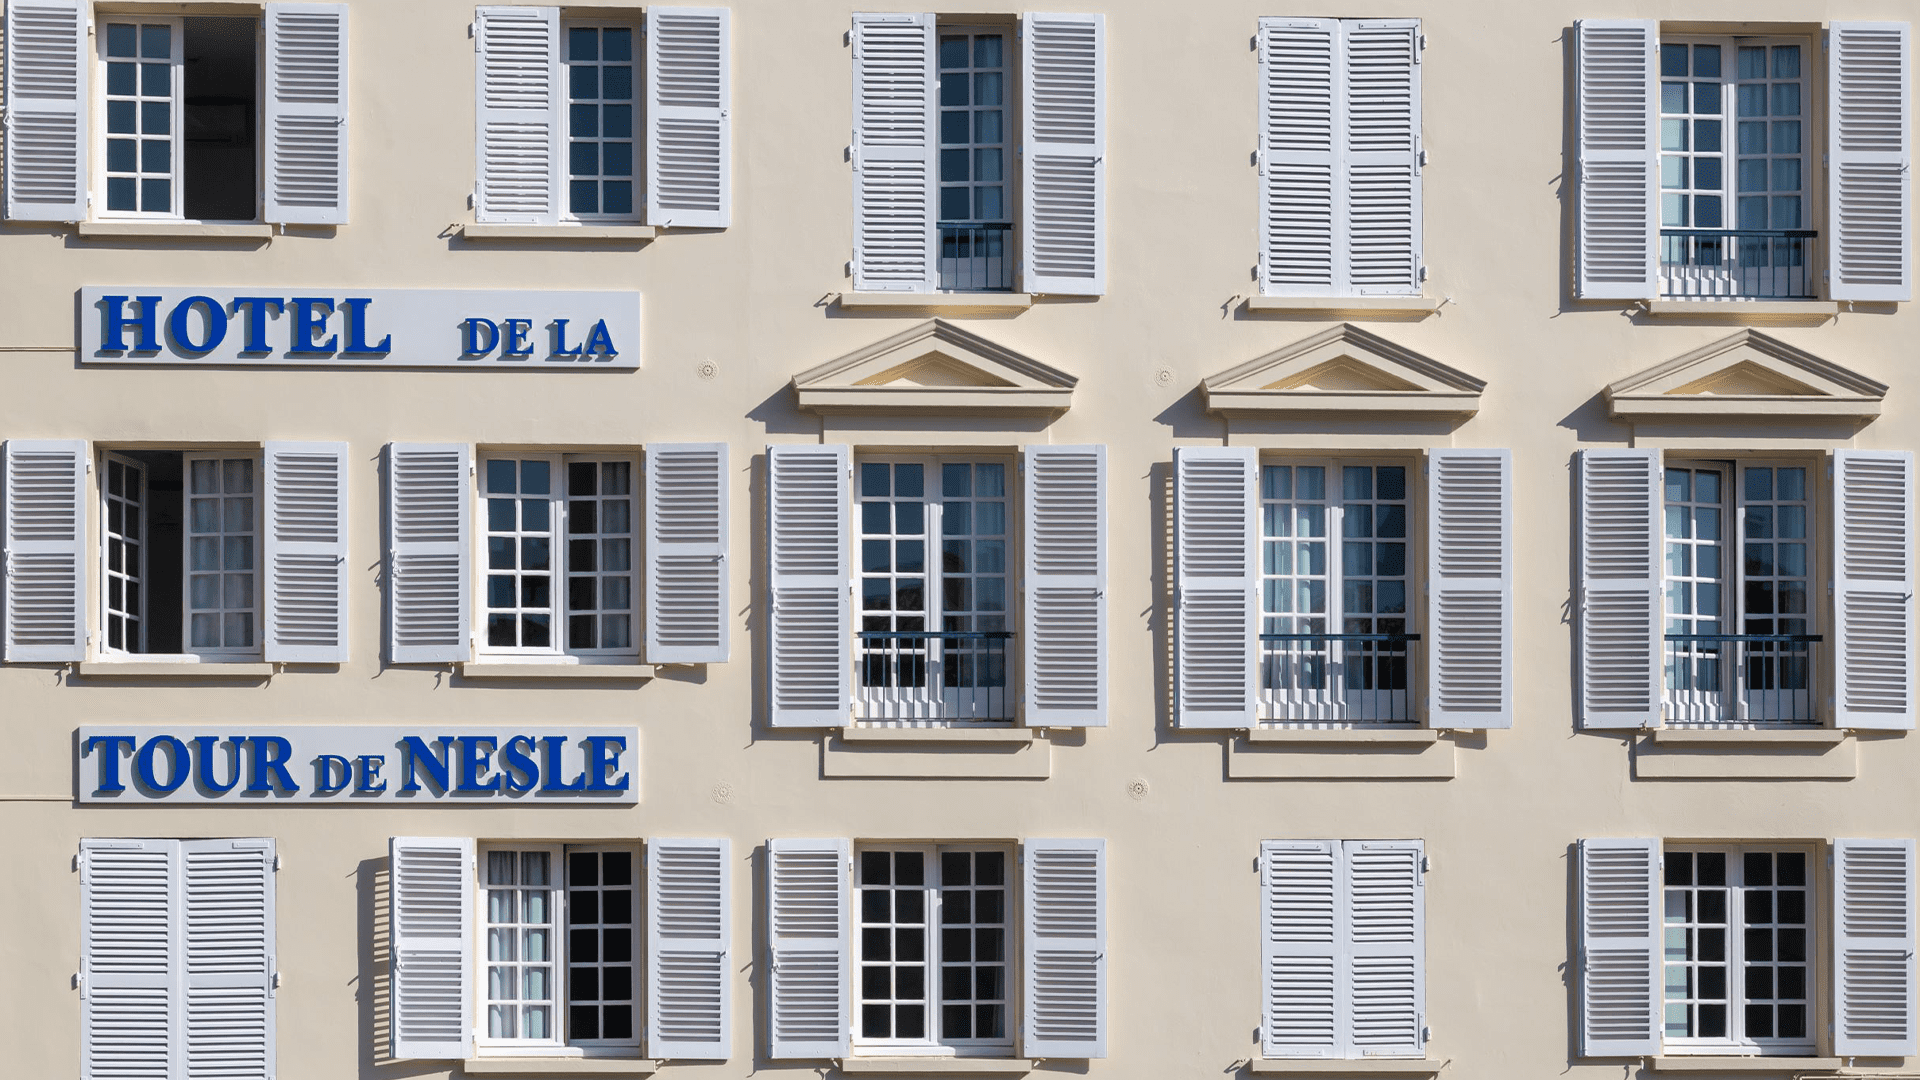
<point x="1739" y="950"/>
<point x="603" y="107"/>
<point x="180" y="100"/>
<point x="560" y="533"/>
<point x="932" y="949"/>
<point x="180" y="559"/>
<point x="559" y="947"/>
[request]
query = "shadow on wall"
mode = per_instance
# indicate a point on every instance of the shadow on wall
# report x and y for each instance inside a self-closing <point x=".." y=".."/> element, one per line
<point x="373" y="882"/>
<point x="1160" y="587"/>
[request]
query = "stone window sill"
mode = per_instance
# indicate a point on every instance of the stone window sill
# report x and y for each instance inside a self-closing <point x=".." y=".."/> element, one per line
<point x="936" y="735"/>
<point x="1360" y="306"/>
<point x="623" y="672"/>
<point x="173" y="230"/>
<point x="558" y="1066"/>
<point x="1747" y="310"/>
<point x="1784" y="1065"/>
<point x="508" y="233"/>
<point x="978" y="301"/>
<point x="1767" y="736"/>
<point x="1408" y="1067"/>
<point x="181" y="669"/>
<point x="899" y="1066"/>
<point x="1337" y="736"/>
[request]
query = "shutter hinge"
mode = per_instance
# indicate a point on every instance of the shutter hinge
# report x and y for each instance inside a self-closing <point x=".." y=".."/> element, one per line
<point x="1426" y="1033"/>
<point x="1426" y="864"/>
<point x="473" y="31"/>
<point x="276" y="860"/>
<point x="80" y="984"/>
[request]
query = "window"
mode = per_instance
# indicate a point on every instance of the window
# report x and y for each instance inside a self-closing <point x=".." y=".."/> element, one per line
<point x="181" y="564"/>
<point x="600" y="121"/>
<point x="560" y="540"/>
<point x="559" y="934"/>
<point x="976" y="220"/>
<point x="182" y="115"/>
<point x="1739" y="950"/>
<point x="933" y="950"/>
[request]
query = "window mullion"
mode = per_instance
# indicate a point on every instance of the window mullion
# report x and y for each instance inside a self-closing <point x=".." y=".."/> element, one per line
<point x="1735" y="604"/>
<point x="1737" y="948"/>
<point x="936" y="1019"/>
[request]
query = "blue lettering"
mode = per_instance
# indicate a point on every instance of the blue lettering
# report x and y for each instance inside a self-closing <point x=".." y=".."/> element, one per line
<point x="256" y="309"/>
<point x="178" y="324"/>
<point x="309" y="322"/>
<point x="600" y="762"/>
<point x="474" y="326"/>
<point x="356" y="309"/>
<point x="516" y="334"/>
<point x="600" y="341"/>
<point x="473" y="764"/>
<point x="325" y="768"/>
<point x="560" y="340"/>
<point x="369" y="769"/>
<point x="115" y="337"/>
<point x="550" y="776"/>
<point x="517" y="766"/>
<point x="270" y="756"/>
<point x="419" y="757"/>
<point x="203" y="764"/>
<point x="177" y="769"/>
<point x="110" y="746"/>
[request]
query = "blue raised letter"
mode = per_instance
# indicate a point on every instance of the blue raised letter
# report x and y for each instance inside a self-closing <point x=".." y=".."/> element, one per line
<point x="356" y="309"/>
<point x="115" y="338"/>
<point x="325" y="768"/>
<point x="203" y="764"/>
<point x="110" y="745"/>
<point x="309" y="321"/>
<point x="600" y="341"/>
<point x="516" y="333"/>
<point x="473" y="764"/>
<point x="550" y="776"/>
<point x="419" y="757"/>
<point x="600" y="762"/>
<point x="216" y="324"/>
<point x="270" y="756"/>
<point x="369" y="773"/>
<point x="517" y="766"/>
<point x="143" y="763"/>
<point x="256" y="309"/>
<point x="474" y="325"/>
<point x="560" y="340"/>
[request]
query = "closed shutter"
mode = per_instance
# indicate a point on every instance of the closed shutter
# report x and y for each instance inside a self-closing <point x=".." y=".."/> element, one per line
<point x="305" y="552"/>
<point x="1300" y="143"/>
<point x="1619" y="602"/>
<point x="1381" y="162"/>
<point x="517" y="115"/>
<point x="1873" y="594"/>
<point x="1386" y="942"/>
<point x="1064" y="154"/>
<point x="689" y="985"/>
<point x="46" y="537"/>
<point x="228" y="954"/>
<point x="1870" y="91"/>
<point x="307" y="114"/>
<point x="811" y="625"/>
<point x="129" y="959"/>
<point x="1065" y="609"/>
<point x="1620" y="948"/>
<point x="1470" y="583"/>
<point x="430" y="933"/>
<point x="1617" y="220"/>
<point x="893" y="153"/>
<point x="1216" y="538"/>
<point x="689" y="125"/>
<point x="1873" y="935"/>
<point x="46" y="110"/>
<point x="808" y="909"/>
<point x="687" y="553"/>
<point x="1302" y="949"/>
<point x="1064" y="896"/>
<point x="427" y="552"/>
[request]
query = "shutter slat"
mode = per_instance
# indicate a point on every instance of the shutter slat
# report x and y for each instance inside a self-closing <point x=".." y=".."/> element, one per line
<point x="1873" y="520"/>
<point x="1470" y="580"/>
<point x="306" y="114"/>
<point x="689" y="104"/>
<point x="1302" y="949"/>
<point x="1064" y="136"/>
<point x="808" y="914"/>
<point x="517" y="111"/>
<point x="47" y="58"/>
<point x="1216" y="589"/>
<point x="129" y="958"/>
<point x="1620" y="948"/>
<point x="1065" y="624"/>
<point x="1873" y="934"/>
<point x="428" y="552"/>
<point x="1386" y="945"/>
<point x="1870" y="94"/>
<point x="45" y="542"/>
<point x="1381" y="158"/>
<point x="689" y="986"/>
<point x="687" y="539"/>
<point x="894" y="142"/>
<point x="431" y="941"/>
<point x="1617" y="143"/>
<point x="1620" y="581"/>
<point x="811" y="623"/>
<point x="305" y="552"/>
<point x="1065" y="953"/>
<point x="228" y="958"/>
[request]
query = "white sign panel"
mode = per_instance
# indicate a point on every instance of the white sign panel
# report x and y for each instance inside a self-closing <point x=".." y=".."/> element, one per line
<point x="377" y="328"/>
<point x="343" y="765"/>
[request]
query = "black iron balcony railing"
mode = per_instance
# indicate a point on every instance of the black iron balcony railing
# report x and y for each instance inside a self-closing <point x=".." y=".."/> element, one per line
<point x="932" y="675"/>
<point x="1337" y="678"/>
<point x="1741" y="678"/>
<point x="1738" y="264"/>
<point x="976" y="258"/>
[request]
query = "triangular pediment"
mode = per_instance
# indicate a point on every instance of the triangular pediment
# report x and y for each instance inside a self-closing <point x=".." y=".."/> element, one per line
<point x="1343" y="370"/>
<point x="1747" y="374"/>
<point x="934" y="366"/>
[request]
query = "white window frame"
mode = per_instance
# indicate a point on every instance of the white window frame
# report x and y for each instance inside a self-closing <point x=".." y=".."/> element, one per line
<point x="564" y="151"/>
<point x="1736" y="958"/>
<point x="1013" y="109"/>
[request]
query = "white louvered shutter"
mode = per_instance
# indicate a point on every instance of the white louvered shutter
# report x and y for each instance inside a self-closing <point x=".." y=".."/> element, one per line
<point x="1065" y="610"/>
<point x="1386" y="946"/>
<point x="1302" y="949"/>
<point x="428" y="552"/>
<point x="1619" y="601"/>
<point x="1873" y="542"/>
<point x="431" y="889"/>
<point x="306" y="180"/>
<point x="1873" y="935"/>
<point x="1065" y="948"/>
<point x="517" y="99"/>
<point x="808" y="908"/>
<point x="45" y="122"/>
<point x="46" y="538"/>
<point x="228" y="953"/>
<point x="1617" y="222"/>
<point x="1216" y="539"/>
<point x="1063" y="155"/>
<point x="1620" y="948"/>
<point x="305" y="552"/>
<point x="811" y="625"/>
<point x="689" y="983"/>
<point x="1380" y="184"/>
<point x="689" y="105"/>
<point x="1300" y="143"/>
<point x="1870" y="95"/>
<point x="894" y="143"/>
<point x="1470" y="587"/>
<point x="687" y="553"/>
<point x="130" y="945"/>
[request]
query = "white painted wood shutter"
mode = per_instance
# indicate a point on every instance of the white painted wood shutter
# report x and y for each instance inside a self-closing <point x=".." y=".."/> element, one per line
<point x="811" y="578"/>
<point x="45" y="123"/>
<point x="306" y="181"/>
<point x="517" y="101"/>
<point x="227" y="953"/>
<point x="305" y="552"/>
<point x="1301" y="136"/>
<point x="689" y="109"/>
<point x="1870" y="95"/>
<point x="46" y="539"/>
<point x="1619" y="601"/>
<point x="687" y="572"/>
<point x="1470" y="588"/>
<point x="1617" y="222"/>
<point x="428" y="552"/>
<point x="1064" y="949"/>
<point x="689" y="983"/>
<point x="1064" y="621"/>
<point x="1620" y="948"/>
<point x="1873" y="522"/>
<point x="894" y="143"/>
<point x="1380" y="179"/>
<point x="809" y="910"/>
<point x="1063" y="154"/>
<point x="1216" y="539"/>
<point x="130" y="929"/>
<point x="1386" y="942"/>
<point x="1873" y="935"/>
<point x="431" y="933"/>
<point x="1302" y="949"/>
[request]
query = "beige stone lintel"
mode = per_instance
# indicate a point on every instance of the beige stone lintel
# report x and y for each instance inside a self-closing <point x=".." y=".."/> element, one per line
<point x="555" y="671"/>
<point x="116" y="669"/>
<point x="559" y="232"/>
<point x="1785" y="1066"/>
<point x="1747" y="310"/>
<point x="954" y="302"/>
<point x="1735" y="736"/>
<point x="904" y="1065"/>
<point x="1358" y="306"/>
<point x="558" y="1066"/>
<point x="1357" y="1067"/>
<point x="937" y="734"/>
<point x="174" y="230"/>
<point x="1285" y="403"/>
<point x="1296" y="736"/>
<point x="895" y="398"/>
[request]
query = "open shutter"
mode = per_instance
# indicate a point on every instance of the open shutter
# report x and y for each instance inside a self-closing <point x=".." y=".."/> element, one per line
<point x="1386" y="943"/>
<point x="811" y="580"/>
<point x="1870" y="93"/>
<point x="1302" y="949"/>
<point x="1620" y="948"/>
<point x="1301" y="138"/>
<point x="687" y="553"/>
<point x="1216" y="538"/>
<point x="307" y="114"/>
<point x="894" y="178"/>
<point x="45" y="122"/>
<point x="1470" y="585"/>
<point x="46" y="537"/>
<point x="1063" y="156"/>
<point x="1617" y="140"/>
<point x="227" y="888"/>
<point x="1381" y="161"/>
<point x="517" y="115"/>
<point x="428" y="552"/>
<point x="1873" y="946"/>
<point x="1065" y="948"/>
<point x="809" y="909"/>
<point x="431" y="939"/>
<point x="306" y="552"/>
<point x="1619" y="602"/>
<point x="1873" y="594"/>
<point x="689" y="986"/>
<point x="1065" y="609"/>
<point x="130" y="930"/>
<point x="689" y="102"/>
